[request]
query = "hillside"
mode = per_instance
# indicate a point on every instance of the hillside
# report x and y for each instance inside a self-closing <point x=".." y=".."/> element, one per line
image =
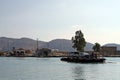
<point x="9" y="43"/>
<point x="27" y="43"/>
<point x="61" y="44"/>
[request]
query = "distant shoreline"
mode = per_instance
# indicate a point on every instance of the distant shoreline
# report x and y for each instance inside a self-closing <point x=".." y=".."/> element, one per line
<point x="113" y="56"/>
<point x="54" y="56"/>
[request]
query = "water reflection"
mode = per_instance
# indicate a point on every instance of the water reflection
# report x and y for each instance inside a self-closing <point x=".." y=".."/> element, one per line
<point x="78" y="73"/>
<point x="86" y="71"/>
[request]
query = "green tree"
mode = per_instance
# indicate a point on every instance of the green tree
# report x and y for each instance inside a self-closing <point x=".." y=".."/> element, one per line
<point x="79" y="41"/>
<point x="96" y="47"/>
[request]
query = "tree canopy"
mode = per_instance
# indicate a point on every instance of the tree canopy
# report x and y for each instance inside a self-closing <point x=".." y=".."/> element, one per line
<point x="79" y="41"/>
<point x="96" y="47"/>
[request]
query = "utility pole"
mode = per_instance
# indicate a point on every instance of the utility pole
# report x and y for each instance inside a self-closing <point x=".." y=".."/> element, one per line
<point x="8" y="46"/>
<point x="36" y="52"/>
<point x="37" y="44"/>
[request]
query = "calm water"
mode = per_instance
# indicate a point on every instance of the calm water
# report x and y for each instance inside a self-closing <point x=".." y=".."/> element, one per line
<point x="12" y="68"/>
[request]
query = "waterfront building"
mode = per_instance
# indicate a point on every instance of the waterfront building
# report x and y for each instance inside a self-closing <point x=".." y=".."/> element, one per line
<point x="44" y="52"/>
<point x="21" y="52"/>
<point x="108" y="50"/>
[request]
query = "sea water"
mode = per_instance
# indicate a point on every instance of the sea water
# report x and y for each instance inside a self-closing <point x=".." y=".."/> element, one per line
<point x="32" y="68"/>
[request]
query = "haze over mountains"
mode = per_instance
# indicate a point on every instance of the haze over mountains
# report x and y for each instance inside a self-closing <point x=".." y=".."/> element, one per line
<point x="27" y="43"/>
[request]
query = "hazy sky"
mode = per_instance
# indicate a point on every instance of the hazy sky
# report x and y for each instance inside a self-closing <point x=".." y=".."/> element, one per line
<point x="99" y="20"/>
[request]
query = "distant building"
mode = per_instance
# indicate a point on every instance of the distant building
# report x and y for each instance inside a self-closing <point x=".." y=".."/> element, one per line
<point x="29" y="52"/>
<point x="108" y="50"/>
<point x="21" y="52"/>
<point x="118" y="52"/>
<point x="43" y="52"/>
<point x="3" y="53"/>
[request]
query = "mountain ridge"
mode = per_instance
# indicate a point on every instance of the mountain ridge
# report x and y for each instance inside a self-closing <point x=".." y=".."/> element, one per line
<point x="28" y="43"/>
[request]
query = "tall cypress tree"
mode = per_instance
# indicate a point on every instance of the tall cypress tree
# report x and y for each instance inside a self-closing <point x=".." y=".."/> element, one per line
<point x="79" y="41"/>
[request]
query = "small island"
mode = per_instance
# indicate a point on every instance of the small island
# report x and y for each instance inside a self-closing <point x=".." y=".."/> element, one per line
<point x="80" y="56"/>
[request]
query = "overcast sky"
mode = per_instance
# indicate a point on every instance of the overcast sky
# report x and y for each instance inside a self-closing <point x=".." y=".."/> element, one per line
<point x="99" y="20"/>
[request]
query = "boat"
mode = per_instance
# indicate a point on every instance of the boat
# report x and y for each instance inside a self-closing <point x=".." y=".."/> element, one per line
<point x="84" y="58"/>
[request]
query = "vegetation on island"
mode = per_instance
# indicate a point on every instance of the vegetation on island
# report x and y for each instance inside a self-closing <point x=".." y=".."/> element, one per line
<point x="79" y="41"/>
<point x="96" y="47"/>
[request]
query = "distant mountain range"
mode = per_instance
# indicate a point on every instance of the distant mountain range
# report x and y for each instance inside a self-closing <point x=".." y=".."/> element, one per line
<point x="27" y="43"/>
